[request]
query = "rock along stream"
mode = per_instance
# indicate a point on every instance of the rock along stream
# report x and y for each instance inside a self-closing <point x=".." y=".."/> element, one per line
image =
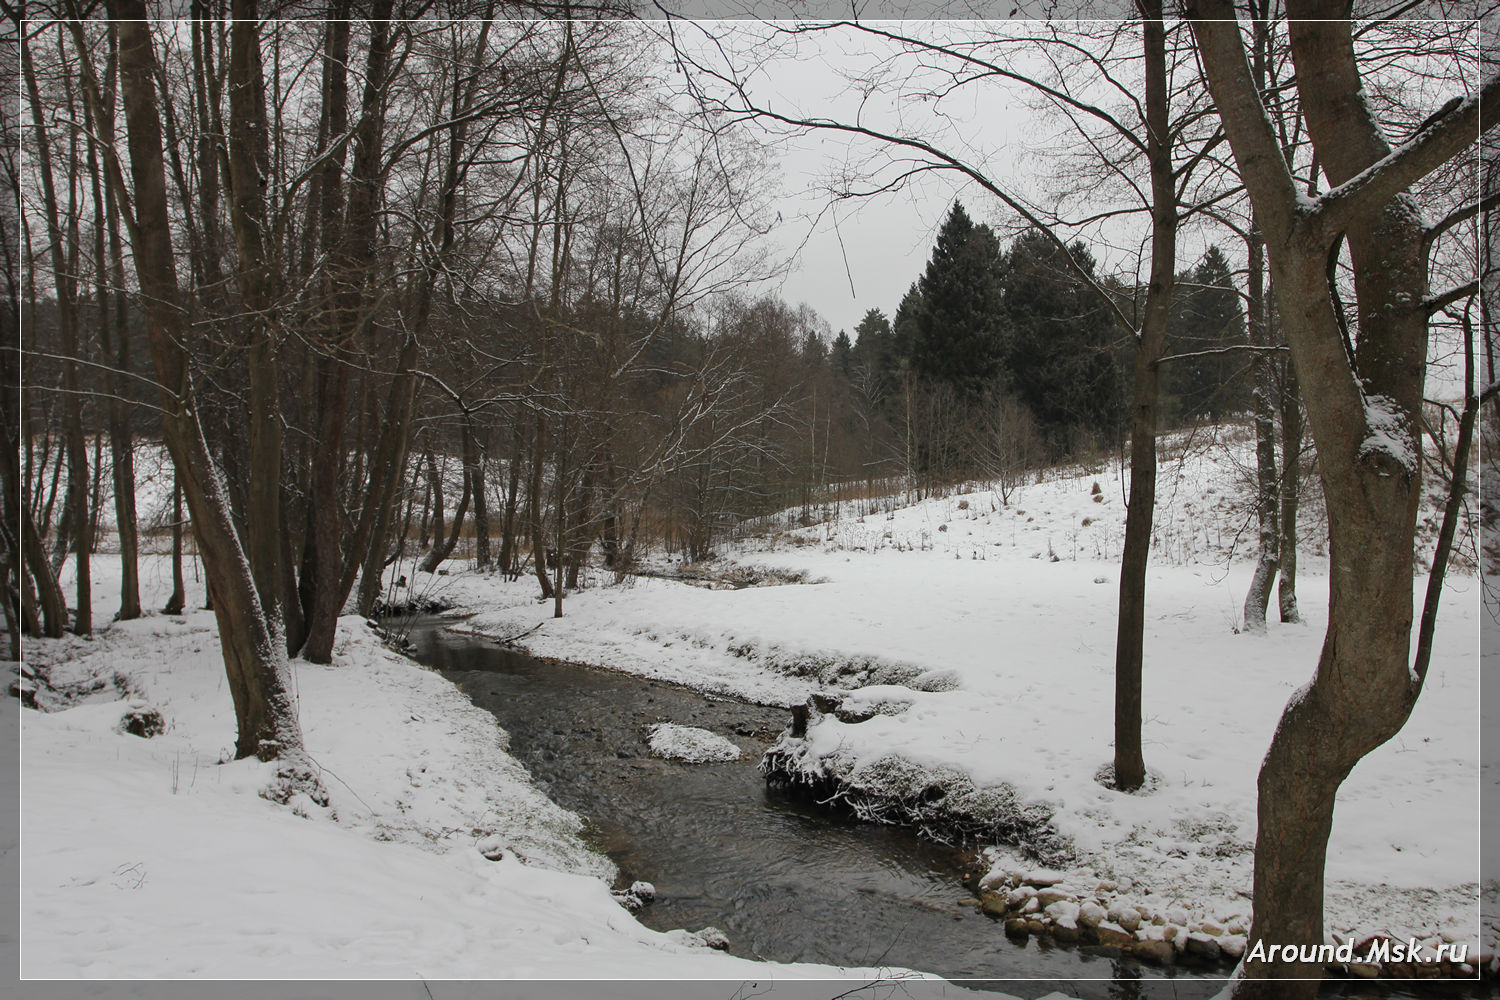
<point x="784" y="879"/>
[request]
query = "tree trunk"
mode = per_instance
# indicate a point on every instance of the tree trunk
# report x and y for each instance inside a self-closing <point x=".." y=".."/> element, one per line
<point x="534" y="506"/>
<point x="254" y="659"/>
<point x="249" y="168"/>
<point x="1291" y="485"/>
<point x="435" y="486"/>
<point x="326" y="543"/>
<point x="513" y="481"/>
<point x="561" y="500"/>
<point x="178" y="600"/>
<point x="49" y="594"/>
<point x="474" y="471"/>
<point x="1129" y="761"/>
<point x="1267" y="484"/>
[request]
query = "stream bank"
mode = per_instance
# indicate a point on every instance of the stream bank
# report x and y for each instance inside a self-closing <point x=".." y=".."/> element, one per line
<point x="781" y="876"/>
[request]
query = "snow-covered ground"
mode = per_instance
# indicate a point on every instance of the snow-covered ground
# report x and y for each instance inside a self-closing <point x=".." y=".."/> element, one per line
<point x="997" y="623"/>
<point x="977" y="636"/>
<point x="148" y="858"/>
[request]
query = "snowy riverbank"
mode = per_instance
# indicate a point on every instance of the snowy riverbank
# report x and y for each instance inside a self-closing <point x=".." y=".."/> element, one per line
<point x="156" y="857"/>
<point x="983" y="658"/>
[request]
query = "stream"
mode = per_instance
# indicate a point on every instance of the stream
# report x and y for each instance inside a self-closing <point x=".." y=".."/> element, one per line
<point x="783" y="878"/>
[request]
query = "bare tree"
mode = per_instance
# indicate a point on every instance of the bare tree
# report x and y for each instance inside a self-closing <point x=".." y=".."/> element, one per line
<point x="254" y="657"/>
<point x="1364" y="397"/>
<point x="1148" y="138"/>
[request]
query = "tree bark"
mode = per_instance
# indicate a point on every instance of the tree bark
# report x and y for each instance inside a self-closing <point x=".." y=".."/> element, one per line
<point x="1291" y="485"/>
<point x="249" y="172"/>
<point x="178" y="600"/>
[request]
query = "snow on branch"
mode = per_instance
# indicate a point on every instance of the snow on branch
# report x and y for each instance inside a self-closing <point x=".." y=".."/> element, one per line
<point x="1429" y="149"/>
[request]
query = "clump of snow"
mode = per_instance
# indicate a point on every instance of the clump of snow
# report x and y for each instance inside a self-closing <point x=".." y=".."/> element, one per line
<point x="1387" y="434"/>
<point x="877" y="699"/>
<point x="943" y="802"/>
<point x="690" y="744"/>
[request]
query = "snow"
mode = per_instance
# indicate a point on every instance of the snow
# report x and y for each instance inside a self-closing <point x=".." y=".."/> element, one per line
<point x="973" y="637"/>
<point x="1025" y="648"/>
<point x="1386" y="433"/>
<point x="690" y="744"/>
<point x="162" y="857"/>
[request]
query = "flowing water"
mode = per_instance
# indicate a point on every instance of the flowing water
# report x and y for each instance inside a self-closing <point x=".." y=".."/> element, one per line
<point x="783" y="878"/>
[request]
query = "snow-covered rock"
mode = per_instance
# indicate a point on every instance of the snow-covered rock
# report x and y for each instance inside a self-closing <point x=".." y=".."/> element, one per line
<point x="690" y="744"/>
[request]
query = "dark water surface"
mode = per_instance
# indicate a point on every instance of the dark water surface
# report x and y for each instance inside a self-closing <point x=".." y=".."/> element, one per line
<point x="784" y="879"/>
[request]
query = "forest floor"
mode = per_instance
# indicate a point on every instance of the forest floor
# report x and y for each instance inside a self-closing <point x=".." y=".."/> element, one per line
<point x="980" y="636"/>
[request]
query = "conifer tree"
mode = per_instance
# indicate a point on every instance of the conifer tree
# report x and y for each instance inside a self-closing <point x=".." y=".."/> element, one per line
<point x="1208" y="318"/>
<point x="1057" y="343"/>
<point x="956" y="336"/>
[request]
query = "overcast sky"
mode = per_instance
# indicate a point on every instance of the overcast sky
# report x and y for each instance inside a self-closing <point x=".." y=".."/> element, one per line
<point x="854" y="254"/>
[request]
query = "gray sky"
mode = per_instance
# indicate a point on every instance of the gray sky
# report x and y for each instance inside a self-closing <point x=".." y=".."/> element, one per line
<point x="854" y="254"/>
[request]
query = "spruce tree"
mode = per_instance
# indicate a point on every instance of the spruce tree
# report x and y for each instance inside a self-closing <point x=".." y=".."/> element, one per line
<point x="841" y="357"/>
<point x="1059" y="357"/>
<point x="874" y="354"/>
<point x="956" y="330"/>
<point x="1208" y="318"/>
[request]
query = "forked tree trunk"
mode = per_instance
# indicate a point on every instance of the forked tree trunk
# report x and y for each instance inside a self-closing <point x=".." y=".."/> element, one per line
<point x="443" y="547"/>
<point x="1365" y="412"/>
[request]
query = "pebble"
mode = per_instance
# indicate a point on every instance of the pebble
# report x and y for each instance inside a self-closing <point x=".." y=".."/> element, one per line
<point x="1159" y="952"/>
<point x="1042" y="878"/>
<point x="1127" y="917"/>
<point x="1202" y="946"/>
<point x="993" y="903"/>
